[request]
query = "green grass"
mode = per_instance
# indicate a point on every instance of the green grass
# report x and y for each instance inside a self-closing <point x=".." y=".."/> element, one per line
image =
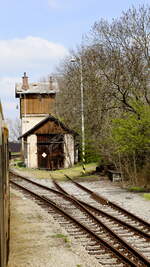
<point x="64" y="237"/>
<point x="136" y="189"/>
<point x="18" y="163"/>
<point x="16" y="153"/>
<point x="146" y="196"/>
<point x="73" y="172"/>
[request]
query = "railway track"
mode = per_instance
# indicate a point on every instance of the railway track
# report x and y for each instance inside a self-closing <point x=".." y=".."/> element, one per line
<point x="110" y="207"/>
<point x="93" y="227"/>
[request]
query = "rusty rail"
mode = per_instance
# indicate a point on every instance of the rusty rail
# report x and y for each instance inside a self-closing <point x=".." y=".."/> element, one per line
<point x="105" y="201"/>
<point x="82" y="206"/>
<point x="120" y="255"/>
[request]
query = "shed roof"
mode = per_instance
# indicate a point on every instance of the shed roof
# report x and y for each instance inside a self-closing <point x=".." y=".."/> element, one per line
<point x="44" y="121"/>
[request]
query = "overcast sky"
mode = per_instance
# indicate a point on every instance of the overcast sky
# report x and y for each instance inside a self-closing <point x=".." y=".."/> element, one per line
<point x="36" y="34"/>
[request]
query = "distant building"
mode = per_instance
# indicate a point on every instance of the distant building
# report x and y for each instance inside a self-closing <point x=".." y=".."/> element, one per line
<point x="46" y="142"/>
<point x="14" y="147"/>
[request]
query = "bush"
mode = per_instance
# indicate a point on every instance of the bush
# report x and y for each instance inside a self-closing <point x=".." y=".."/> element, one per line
<point x="131" y="137"/>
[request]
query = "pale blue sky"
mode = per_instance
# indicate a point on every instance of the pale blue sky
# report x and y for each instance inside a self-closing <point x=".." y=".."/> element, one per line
<point x="36" y="34"/>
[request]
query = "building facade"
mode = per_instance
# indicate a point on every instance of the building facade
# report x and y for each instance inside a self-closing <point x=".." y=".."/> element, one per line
<point x="46" y="142"/>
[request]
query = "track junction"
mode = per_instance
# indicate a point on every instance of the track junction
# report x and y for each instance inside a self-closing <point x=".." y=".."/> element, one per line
<point x="110" y="233"/>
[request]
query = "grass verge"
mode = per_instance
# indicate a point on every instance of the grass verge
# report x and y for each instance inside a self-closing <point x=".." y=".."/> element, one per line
<point x="73" y="172"/>
<point x="146" y="196"/>
<point x="136" y="189"/>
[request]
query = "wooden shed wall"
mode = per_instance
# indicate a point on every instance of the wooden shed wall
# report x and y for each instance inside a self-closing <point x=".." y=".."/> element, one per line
<point x="50" y="128"/>
<point x="32" y="104"/>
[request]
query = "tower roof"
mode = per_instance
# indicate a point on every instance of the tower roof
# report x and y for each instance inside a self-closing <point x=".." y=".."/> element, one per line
<point x="50" y="87"/>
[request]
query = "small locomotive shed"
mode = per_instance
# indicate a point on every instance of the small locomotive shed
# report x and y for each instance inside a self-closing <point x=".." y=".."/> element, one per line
<point x="49" y="145"/>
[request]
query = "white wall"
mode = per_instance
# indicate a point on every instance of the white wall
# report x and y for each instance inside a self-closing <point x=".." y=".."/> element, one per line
<point x="32" y="157"/>
<point x="68" y="150"/>
<point x="30" y="121"/>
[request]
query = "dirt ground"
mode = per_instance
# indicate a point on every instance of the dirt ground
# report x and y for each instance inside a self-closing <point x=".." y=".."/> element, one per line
<point x="37" y="240"/>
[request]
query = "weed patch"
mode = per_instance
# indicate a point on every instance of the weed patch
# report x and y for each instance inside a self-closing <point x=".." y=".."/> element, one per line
<point x="64" y="237"/>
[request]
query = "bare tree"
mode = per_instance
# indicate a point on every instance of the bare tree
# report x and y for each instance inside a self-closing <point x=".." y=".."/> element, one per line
<point x="116" y="69"/>
<point x="123" y="56"/>
<point x="14" y="129"/>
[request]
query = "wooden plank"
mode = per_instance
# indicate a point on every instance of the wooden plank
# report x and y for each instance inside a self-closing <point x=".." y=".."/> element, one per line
<point x="50" y="156"/>
<point x="50" y="128"/>
<point x="37" y="105"/>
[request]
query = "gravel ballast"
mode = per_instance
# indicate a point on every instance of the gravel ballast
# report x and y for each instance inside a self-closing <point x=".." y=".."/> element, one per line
<point x="36" y="239"/>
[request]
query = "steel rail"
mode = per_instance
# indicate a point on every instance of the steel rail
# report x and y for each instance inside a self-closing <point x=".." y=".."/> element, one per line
<point x="105" y="201"/>
<point x="129" y="247"/>
<point x="99" y="239"/>
<point x="144" y="234"/>
<point x="84" y="203"/>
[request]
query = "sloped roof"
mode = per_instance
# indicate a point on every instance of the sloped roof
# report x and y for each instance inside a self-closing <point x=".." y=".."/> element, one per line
<point x="41" y="123"/>
<point x="37" y="88"/>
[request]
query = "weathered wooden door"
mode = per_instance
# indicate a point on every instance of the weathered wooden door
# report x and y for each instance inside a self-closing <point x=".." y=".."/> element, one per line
<point x="43" y="156"/>
<point x="50" y="152"/>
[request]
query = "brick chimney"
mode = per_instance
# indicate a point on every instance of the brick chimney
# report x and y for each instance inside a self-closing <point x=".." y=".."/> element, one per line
<point x="25" y="84"/>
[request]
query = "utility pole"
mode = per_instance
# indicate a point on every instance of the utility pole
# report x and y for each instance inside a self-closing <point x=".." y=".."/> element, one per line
<point x="82" y="117"/>
<point x="82" y="113"/>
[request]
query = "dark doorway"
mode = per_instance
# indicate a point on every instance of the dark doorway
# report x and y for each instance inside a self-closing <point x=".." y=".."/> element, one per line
<point x="50" y="151"/>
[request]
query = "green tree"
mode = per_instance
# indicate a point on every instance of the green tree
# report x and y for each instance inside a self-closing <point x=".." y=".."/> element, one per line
<point x="116" y="70"/>
<point x="131" y="137"/>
